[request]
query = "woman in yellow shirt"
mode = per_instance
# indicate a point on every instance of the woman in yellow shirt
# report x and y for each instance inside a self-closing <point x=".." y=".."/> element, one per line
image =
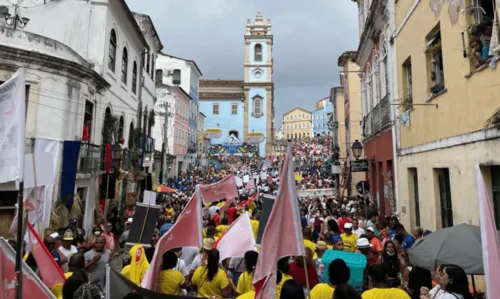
<point x="338" y="273"/>
<point x="210" y="280"/>
<point x="282" y="275"/>
<point x="222" y="227"/>
<point x="170" y="281"/>
<point x="245" y="282"/>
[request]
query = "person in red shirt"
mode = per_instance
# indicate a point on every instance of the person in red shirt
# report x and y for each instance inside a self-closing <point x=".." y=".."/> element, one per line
<point x="297" y="270"/>
<point x="231" y="213"/>
<point x="216" y="217"/>
<point x="343" y="220"/>
<point x="86" y="130"/>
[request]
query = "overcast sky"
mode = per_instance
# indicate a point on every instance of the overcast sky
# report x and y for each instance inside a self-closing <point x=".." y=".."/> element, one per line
<point x="309" y="36"/>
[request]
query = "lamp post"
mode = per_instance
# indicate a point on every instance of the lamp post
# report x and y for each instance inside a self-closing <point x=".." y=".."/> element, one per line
<point x="15" y="20"/>
<point x="357" y="148"/>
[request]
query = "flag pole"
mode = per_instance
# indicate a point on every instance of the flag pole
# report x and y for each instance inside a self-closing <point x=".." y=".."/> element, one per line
<point x="19" y="245"/>
<point x="307" y="277"/>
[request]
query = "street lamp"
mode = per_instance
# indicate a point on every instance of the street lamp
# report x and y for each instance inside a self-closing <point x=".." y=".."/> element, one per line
<point x="357" y="148"/>
<point x="15" y="21"/>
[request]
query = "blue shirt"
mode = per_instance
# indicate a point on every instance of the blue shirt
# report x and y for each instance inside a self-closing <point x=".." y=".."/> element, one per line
<point x="56" y="256"/>
<point x="165" y="227"/>
<point x="408" y="241"/>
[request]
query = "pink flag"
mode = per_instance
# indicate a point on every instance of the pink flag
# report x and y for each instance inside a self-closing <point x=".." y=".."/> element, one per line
<point x="50" y="272"/>
<point x="237" y="239"/>
<point x="282" y="235"/>
<point x="185" y="232"/>
<point x="32" y="286"/>
<point x="489" y="239"/>
<point x="251" y="184"/>
<point x="225" y="188"/>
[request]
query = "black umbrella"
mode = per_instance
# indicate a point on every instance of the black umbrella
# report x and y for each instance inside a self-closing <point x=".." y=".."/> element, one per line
<point x="459" y="245"/>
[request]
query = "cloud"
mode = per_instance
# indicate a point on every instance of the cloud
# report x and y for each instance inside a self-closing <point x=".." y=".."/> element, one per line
<point x="309" y="36"/>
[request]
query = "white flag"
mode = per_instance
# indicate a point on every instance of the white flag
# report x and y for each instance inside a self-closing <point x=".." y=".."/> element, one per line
<point x="12" y="119"/>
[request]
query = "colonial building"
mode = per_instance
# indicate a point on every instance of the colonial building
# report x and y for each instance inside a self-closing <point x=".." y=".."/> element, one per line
<point x="376" y="58"/>
<point x="202" y="138"/>
<point x="297" y="124"/>
<point x="448" y="92"/>
<point x="320" y="116"/>
<point x="349" y="79"/>
<point x="236" y="109"/>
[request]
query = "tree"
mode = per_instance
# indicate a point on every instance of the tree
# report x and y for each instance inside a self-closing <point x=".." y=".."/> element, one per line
<point x="110" y="129"/>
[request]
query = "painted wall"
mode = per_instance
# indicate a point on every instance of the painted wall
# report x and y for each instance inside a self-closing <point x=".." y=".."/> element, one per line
<point x="225" y="121"/>
<point x="320" y="119"/>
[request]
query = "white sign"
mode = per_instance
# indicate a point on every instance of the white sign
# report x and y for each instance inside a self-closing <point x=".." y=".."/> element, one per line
<point x="149" y="198"/>
<point x="12" y="119"/>
<point x="314" y="193"/>
<point x="43" y="164"/>
<point x="232" y="140"/>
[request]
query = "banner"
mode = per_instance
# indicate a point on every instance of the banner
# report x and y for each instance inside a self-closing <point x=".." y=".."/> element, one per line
<point x="12" y="121"/>
<point x="71" y="152"/>
<point x="223" y="189"/>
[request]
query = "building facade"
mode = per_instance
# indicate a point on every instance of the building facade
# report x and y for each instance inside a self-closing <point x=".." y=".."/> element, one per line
<point x="320" y="117"/>
<point x="244" y="106"/>
<point x="202" y="138"/>
<point x="446" y="102"/>
<point x="350" y="81"/>
<point x="376" y="58"/>
<point x="297" y="124"/>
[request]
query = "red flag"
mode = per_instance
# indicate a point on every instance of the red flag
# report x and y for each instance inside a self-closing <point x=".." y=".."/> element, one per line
<point x="225" y="188"/>
<point x="50" y="272"/>
<point x="237" y="239"/>
<point x="248" y="201"/>
<point x="32" y="286"/>
<point x="282" y="235"/>
<point x="185" y="232"/>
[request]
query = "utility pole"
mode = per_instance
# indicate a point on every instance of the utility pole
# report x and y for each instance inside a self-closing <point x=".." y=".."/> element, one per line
<point x="165" y="115"/>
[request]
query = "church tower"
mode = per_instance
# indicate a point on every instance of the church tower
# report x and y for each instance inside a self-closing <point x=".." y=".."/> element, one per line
<point x="258" y="84"/>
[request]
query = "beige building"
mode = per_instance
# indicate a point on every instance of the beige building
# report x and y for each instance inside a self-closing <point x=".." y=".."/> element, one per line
<point x="202" y="139"/>
<point x="352" y="114"/>
<point x="297" y="124"/>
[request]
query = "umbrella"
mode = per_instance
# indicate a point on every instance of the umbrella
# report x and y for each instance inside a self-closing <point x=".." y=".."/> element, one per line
<point x="165" y="189"/>
<point x="459" y="245"/>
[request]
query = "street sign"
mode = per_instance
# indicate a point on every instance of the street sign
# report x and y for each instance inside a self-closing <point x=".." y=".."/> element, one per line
<point x="336" y="169"/>
<point x="359" y="165"/>
<point x="363" y="188"/>
<point x="233" y="140"/>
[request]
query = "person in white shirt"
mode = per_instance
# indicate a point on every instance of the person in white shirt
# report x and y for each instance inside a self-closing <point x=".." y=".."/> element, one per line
<point x="67" y="248"/>
<point x="358" y="231"/>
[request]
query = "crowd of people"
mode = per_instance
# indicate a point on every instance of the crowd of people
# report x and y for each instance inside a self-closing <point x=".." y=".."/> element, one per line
<point x="328" y="224"/>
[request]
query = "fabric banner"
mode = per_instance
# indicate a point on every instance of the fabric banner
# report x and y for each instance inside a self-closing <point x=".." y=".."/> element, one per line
<point x="117" y="286"/>
<point x="71" y="152"/>
<point x="45" y="205"/>
<point x="223" y="189"/>
<point x="33" y="287"/>
<point x="12" y="122"/>
<point x="238" y="238"/>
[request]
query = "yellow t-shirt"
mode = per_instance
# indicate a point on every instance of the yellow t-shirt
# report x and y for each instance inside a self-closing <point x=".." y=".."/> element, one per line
<point x="220" y="230"/>
<point x="221" y="204"/>
<point x="245" y="283"/>
<point x="170" y="281"/>
<point x="57" y="289"/>
<point x="171" y="212"/>
<point x="126" y="271"/>
<point x="322" y="291"/>
<point x="284" y="278"/>
<point x="255" y="227"/>
<point x="385" y="294"/>
<point x="247" y="295"/>
<point x="349" y="242"/>
<point x="208" y="288"/>
<point x="310" y="244"/>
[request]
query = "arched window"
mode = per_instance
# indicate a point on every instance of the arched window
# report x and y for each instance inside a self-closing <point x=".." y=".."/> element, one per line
<point x="369" y="88"/>
<point x="134" y="78"/>
<point x="258" y="52"/>
<point x="145" y="121"/>
<point x="130" y="135"/>
<point x="121" y="128"/>
<point x="363" y="96"/>
<point x="257" y="106"/>
<point x="385" y="70"/>
<point x="112" y="51"/>
<point x="124" y="66"/>
<point x="108" y="127"/>
<point x="376" y="80"/>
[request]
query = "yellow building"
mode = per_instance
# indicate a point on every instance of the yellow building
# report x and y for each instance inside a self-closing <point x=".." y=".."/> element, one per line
<point x="445" y="99"/>
<point x="297" y="124"/>
<point x="352" y="114"/>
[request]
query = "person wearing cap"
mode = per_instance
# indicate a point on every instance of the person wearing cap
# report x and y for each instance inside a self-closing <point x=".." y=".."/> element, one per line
<point x="78" y="233"/>
<point x="364" y="247"/>
<point x="67" y="248"/>
<point x="320" y="250"/>
<point x="348" y="238"/>
<point x="201" y="258"/>
<point x="124" y="236"/>
<point x="374" y="241"/>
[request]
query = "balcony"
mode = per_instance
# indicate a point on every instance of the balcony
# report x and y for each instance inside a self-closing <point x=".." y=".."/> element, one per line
<point x="378" y="119"/>
<point x="90" y="158"/>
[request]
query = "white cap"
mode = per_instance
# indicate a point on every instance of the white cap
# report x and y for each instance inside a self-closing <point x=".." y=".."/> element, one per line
<point x="129" y="220"/>
<point x="348" y="225"/>
<point x="370" y="228"/>
<point x="54" y="235"/>
<point x="363" y="243"/>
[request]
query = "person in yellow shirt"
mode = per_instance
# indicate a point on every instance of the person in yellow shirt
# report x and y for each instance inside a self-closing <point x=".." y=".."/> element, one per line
<point x="245" y="281"/>
<point x="76" y="264"/>
<point x="138" y="266"/>
<point x="210" y="280"/>
<point x="247" y="295"/>
<point x="255" y="223"/>
<point x="170" y="281"/>
<point x="348" y="238"/>
<point x="380" y="289"/>
<point x="338" y="273"/>
<point x="169" y="211"/>
<point x="308" y="243"/>
<point x="222" y="227"/>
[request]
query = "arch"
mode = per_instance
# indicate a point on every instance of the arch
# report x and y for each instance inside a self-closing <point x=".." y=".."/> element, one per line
<point x="369" y="89"/>
<point x="257" y="52"/>
<point x="124" y="65"/>
<point x="121" y="127"/>
<point x="134" y="77"/>
<point x="257" y="106"/>
<point x="145" y="120"/>
<point x="112" y="50"/>
<point x="108" y="126"/>
<point x="376" y="79"/>
<point x="131" y="134"/>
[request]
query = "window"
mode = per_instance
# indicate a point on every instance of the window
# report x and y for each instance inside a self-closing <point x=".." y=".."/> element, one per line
<point x="215" y="109"/>
<point x="376" y="80"/>
<point x="369" y="89"/>
<point x="234" y="108"/>
<point x="134" y="78"/>
<point x="257" y="106"/>
<point x="176" y="77"/>
<point x="145" y="121"/>
<point x="435" y="61"/>
<point x="495" y="184"/>
<point x="124" y="65"/>
<point x="364" y="103"/>
<point x="385" y="68"/>
<point x="159" y="76"/>
<point x="407" y="84"/>
<point x="121" y="127"/>
<point x="130" y="135"/>
<point x="443" y="175"/>
<point x="258" y="52"/>
<point x="413" y="193"/>
<point x="87" y="122"/>
<point x="147" y="62"/>
<point x="112" y="51"/>
<point x="153" y="66"/>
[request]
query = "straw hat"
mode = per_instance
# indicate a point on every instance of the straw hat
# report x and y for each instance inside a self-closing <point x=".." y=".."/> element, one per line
<point x="321" y="246"/>
<point x="208" y="243"/>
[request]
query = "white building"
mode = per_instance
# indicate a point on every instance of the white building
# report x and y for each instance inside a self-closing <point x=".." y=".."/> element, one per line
<point x="109" y="42"/>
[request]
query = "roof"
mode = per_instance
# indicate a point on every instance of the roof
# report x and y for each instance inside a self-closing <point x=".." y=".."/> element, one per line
<point x="202" y="113"/>
<point x="345" y="56"/>
<point x="296" y="109"/>
<point x="187" y="60"/>
<point x="155" y="34"/>
<point x="221" y="83"/>
<point x="133" y="22"/>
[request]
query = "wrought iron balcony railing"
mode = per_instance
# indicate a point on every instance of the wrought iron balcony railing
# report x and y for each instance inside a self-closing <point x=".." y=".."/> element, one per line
<point x="90" y="157"/>
<point x="378" y="119"/>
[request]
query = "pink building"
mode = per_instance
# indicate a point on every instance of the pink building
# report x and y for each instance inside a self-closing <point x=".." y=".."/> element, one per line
<point x="180" y="130"/>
